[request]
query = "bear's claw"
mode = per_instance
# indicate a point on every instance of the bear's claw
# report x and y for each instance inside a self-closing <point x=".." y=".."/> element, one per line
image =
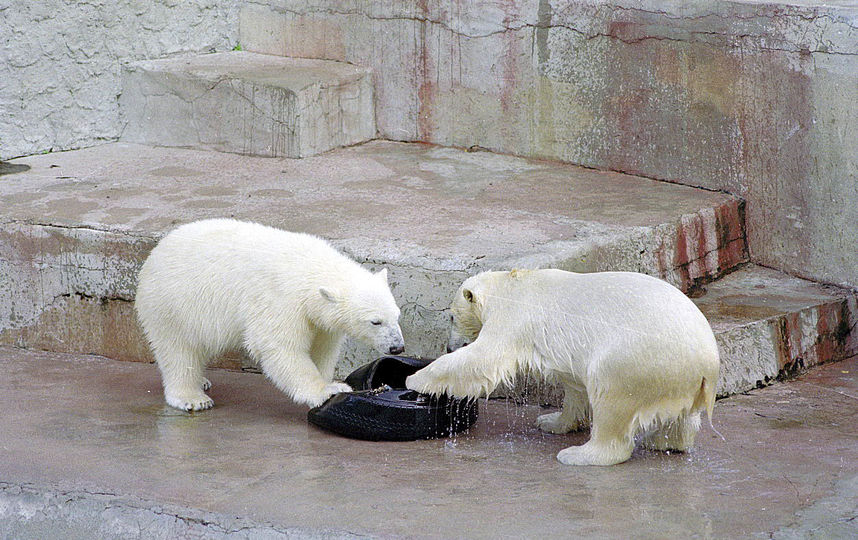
<point x="191" y="403"/>
<point x="553" y="423"/>
<point x="329" y="390"/>
<point x="556" y="423"/>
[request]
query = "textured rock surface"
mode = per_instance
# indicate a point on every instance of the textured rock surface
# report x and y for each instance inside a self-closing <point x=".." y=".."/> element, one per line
<point x="77" y="226"/>
<point x="752" y="97"/>
<point x="60" y="62"/>
<point x="114" y="462"/>
<point x="248" y="104"/>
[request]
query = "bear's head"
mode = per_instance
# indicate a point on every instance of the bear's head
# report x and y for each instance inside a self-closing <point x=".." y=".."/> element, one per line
<point x="367" y="312"/>
<point x="467" y="312"/>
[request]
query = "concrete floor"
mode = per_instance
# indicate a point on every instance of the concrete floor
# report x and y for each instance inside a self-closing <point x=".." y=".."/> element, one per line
<point x="90" y="450"/>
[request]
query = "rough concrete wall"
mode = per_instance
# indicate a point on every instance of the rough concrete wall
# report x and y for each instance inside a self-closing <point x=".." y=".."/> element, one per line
<point x="755" y="98"/>
<point x="60" y="62"/>
<point x="78" y="295"/>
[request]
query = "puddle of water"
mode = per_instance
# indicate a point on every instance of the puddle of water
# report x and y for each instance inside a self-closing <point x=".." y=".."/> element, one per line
<point x="12" y="168"/>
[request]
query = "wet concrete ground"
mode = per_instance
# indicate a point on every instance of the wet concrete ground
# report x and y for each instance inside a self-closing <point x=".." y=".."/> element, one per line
<point x="96" y="427"/>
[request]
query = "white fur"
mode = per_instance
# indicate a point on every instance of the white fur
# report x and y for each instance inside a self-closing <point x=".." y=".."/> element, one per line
<point x="632" y="352"/>
<point x="287" y="298"/>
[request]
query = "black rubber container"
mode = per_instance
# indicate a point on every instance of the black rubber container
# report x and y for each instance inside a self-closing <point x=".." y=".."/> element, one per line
<point x="382" y="409"/>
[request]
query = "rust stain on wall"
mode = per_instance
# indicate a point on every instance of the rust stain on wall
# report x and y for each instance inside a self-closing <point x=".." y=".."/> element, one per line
<point x="802" y="345"/>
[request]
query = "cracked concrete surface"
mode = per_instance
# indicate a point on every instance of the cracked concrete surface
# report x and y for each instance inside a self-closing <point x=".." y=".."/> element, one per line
<point x="747" y="96"/>
<point x="35" y="512"/>
<point x="114" y="461"/>
<point x="248" y="104"/>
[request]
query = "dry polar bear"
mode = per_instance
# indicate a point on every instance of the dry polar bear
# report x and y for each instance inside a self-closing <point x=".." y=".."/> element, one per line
<point x="289" y="299"/>
<point x="631" y="352"/>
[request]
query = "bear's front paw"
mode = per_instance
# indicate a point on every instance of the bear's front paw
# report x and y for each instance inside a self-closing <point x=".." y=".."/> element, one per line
<point x="419" y="382"/>
<point x="190" y="402"/>
<point x="439" y="381"/>
<point x="329" y="390"/>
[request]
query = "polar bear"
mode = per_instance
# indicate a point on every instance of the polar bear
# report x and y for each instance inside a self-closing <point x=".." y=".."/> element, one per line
<point x="632" y="353"/>
<point x="288" y="299"/>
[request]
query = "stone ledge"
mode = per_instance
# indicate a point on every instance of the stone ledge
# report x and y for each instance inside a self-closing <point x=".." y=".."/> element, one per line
<point x="78" y="225"/>
<point x="771" y="326"/>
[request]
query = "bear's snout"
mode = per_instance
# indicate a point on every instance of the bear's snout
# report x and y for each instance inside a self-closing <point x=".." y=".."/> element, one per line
<point x="392" y="341"/>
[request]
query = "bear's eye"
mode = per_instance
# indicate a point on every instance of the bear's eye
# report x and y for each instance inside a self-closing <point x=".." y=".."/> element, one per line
<point x="375" y="322"/>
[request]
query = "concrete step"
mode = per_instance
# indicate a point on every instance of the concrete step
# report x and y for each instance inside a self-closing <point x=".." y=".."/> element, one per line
<point x="247" y="103"/>
<point x="771" y="326"/>
<point x="77" y="226"/>
<point x="90" y="451"/>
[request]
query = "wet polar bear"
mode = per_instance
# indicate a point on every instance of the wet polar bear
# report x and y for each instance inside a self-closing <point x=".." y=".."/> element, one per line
<point x="631" y="352"/>
<point x="288" y="298"/>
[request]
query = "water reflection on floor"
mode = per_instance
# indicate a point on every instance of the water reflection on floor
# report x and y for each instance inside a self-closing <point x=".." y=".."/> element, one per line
<point x="789" y="448"/>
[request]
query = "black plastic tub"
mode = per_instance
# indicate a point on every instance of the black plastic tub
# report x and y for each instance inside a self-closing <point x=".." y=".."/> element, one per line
<point x="382" y="409"/>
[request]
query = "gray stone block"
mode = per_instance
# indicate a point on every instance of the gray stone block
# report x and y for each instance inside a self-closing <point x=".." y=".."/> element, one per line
<point x="248" y="104"/>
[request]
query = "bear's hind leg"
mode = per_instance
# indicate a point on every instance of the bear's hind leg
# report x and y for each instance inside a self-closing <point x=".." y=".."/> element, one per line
<point x="182" y="375"/>
<point x="574" y="416"/>
<point x="675" y="435"/>
<point x="611" y="436"/>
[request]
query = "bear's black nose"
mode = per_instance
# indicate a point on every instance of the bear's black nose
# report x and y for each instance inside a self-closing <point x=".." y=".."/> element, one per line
<point x="449" y="350"/>
<point x="397" y="350"/>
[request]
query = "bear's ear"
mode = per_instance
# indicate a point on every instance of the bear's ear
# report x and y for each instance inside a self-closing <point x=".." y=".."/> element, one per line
<point x="382" y="274"/>
<point x="469" y="295"/>
<point x="329" y="295"/>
